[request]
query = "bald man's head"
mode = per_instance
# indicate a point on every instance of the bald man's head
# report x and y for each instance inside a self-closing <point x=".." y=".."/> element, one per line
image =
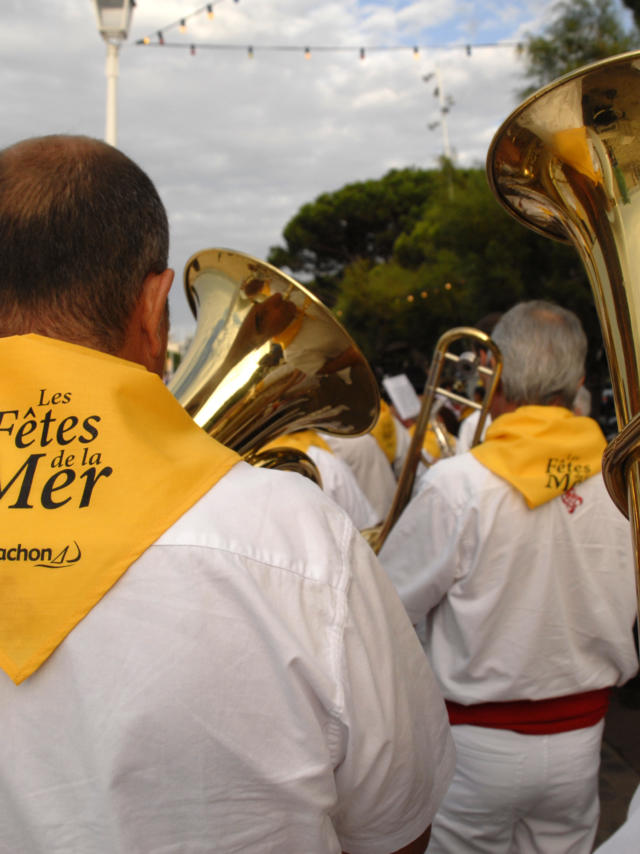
<point x="81" y="226"/>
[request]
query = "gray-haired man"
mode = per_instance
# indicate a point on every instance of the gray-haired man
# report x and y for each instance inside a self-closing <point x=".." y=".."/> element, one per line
<point x="523" y="567"/>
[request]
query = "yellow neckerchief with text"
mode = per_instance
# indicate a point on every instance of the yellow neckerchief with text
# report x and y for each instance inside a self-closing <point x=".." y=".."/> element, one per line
<point x="542" y="451"/>
<point x="301" y="440"/>
<point x="97" y="460"/>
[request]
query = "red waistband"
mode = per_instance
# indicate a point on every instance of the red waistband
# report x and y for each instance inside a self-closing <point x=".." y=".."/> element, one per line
<point x="535" y="717"/>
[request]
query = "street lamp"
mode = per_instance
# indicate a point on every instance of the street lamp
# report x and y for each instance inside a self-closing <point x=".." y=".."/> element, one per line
<point x="114" y="17"/>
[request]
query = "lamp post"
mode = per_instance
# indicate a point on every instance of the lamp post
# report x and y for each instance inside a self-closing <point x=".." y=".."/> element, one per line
<point x="114" y="17"/>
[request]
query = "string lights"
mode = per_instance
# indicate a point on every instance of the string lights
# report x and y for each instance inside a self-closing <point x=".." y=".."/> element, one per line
<point x="181" y="24"/>
<point x="412" y="298"/>
<point x="308" y="50"/>
<point x="423" y="295"/>
<point x="157" y="39"/>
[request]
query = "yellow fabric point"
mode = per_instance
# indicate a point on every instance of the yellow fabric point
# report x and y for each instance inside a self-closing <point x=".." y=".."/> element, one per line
<point x="288" y="334"/>
<point x="97" y="460"/>
<point x="572" y="146"/>
<point x="429" y="443"/>
<point x="300" y="441"/>
<point x="384" y="432"/>
<point x="542" y="451"/>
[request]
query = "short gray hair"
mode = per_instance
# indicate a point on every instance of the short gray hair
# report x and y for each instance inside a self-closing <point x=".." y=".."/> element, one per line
<point x="544" y="349"/>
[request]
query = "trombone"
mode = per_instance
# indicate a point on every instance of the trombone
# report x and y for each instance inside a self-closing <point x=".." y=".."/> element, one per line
<point x="442" y="357"/>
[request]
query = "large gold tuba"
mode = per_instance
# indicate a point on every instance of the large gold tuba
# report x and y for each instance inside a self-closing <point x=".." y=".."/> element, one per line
<point x="267" y="358"/>
<point x="566" y="163"/>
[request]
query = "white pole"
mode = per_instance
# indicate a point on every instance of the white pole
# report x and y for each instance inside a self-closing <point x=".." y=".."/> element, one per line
<point x="111" y="125"/>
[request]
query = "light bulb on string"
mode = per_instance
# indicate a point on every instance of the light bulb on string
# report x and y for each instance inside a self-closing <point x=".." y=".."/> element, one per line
<point x="307" y="53"/>
<point x="362" y="53"/>
<point x="183" y="26"/>
<point x="210" y="11"/>
<point x="416" y="52"/>
<point x="250" y="52"/>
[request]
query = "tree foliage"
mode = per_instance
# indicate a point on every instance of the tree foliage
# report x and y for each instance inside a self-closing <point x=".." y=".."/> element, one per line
<point x="464" y="258"/>
<point x="442" y="254"/>
<point x="359" y="221"/>
<point x="582" y="31"/>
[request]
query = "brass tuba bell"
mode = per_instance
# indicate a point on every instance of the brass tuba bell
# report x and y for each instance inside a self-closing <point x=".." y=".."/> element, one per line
<point x="566" y="163"/>
<point x="267" y="358"/>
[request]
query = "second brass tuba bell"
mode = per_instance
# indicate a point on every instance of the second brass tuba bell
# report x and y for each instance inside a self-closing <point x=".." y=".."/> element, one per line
<point x="566" y="163"/>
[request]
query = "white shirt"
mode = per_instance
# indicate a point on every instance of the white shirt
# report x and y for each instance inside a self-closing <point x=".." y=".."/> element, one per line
<point x="340" y="484"/>
<point x="250" y="684"/>
<point x="370" y="466"/>
<point x="467" y="430"/>
<point x="522" y="604"/>
<point x="403" y="442"/>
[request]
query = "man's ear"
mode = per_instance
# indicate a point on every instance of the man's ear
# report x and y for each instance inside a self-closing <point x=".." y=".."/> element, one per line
<point x="146" y="337"/>
<point x="153" y="317"/>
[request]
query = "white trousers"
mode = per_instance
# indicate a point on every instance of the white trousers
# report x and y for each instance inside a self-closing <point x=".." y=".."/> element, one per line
<point x="521" y="794"/>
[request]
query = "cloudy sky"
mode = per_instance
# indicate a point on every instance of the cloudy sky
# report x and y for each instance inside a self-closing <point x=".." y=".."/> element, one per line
<point x="237" y="144"/>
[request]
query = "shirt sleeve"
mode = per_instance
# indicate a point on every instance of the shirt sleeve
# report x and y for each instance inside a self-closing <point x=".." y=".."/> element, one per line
<point x="393" y="737"/>
<point x="421" y="554"/>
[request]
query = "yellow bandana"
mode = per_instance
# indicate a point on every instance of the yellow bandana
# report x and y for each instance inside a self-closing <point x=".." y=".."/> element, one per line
<point x="302" y="440"/>
<point x="431" y="443"/>
<point x="542" y="451"/>
<point x="97" y="460"/>
<point x="384" y="432"/>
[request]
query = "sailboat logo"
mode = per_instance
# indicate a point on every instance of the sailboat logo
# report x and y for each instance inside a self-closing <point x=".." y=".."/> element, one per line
<point x="67" y="556"/>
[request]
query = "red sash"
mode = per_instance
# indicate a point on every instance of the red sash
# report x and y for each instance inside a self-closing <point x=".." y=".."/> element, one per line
<point x="535" y="717"/>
